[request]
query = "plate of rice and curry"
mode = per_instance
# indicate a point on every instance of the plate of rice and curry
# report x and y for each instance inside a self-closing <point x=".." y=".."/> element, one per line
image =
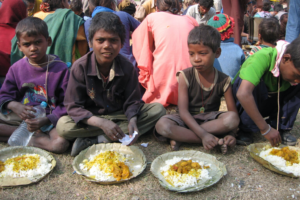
<point x="110" y="163"/>
<point x="24" y="165"/>
<point x="187" y="171"/>
<point x="283" y="160"/>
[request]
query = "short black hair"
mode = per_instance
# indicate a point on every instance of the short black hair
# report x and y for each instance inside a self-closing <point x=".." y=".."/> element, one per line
<point x="266" y="7"/>
<point x="269" y="30"/>
<point x="205" y="35"/>
<point x="54" y="4"/>
<point x="104" y="3"/>
<point x="32" y="26"/>
<point x="278" y="7"/>
<point x="206" y="3"/>
<point x="168" y="5"/>
<point x="293" y="49"/>
<point x="109" y="22"/>
<point x="76" y="5"/>
<point x="282" y="17"/>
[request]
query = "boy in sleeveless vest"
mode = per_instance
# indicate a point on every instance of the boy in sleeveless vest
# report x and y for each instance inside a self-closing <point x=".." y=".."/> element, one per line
<point x="200" y="90"/>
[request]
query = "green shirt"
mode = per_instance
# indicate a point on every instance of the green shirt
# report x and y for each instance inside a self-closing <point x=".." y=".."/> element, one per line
<point x="259" y="66"/>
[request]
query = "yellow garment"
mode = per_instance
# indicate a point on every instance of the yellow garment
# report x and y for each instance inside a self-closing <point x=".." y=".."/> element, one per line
<point x="149" y="7"/>
<point x="80" y="41"/>
<point x="37" y="6"/>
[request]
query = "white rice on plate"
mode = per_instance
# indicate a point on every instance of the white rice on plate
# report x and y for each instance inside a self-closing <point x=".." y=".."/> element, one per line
<point x="183" y="181"/>
<point x="98" y="169"/>
<point x="280" y="162"/>
<point x="42" y="166"/>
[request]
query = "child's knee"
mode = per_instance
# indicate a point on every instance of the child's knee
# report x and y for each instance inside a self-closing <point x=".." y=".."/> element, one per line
<point x="163" y="127"/>
<point x="231" y="120"/>
<point x="64" y="127"/>
<point x="60" y="145"/>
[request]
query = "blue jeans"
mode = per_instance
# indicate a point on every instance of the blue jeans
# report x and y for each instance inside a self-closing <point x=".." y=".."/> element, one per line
<point x="267" y="106"/>
<point x="293" y="25"/>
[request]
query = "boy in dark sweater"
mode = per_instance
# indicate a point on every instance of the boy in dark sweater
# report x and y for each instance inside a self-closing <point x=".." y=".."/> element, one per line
<point x="103" y="96"/>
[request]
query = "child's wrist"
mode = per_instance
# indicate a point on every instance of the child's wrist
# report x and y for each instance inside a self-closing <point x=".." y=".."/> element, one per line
<point x="265" y="129"/>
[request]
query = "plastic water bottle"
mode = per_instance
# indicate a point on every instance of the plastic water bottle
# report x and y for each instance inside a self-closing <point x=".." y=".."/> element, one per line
<point x="21" y="136"/>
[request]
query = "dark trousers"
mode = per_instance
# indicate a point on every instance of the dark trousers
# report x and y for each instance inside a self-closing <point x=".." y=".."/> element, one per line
<point x="267" y="106"/>
<point x="234" y="9"/>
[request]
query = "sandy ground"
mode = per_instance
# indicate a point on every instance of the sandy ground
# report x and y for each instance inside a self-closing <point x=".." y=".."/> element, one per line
<point x="246" y="179"/>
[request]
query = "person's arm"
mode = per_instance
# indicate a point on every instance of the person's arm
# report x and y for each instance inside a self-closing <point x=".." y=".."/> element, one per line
<point x="133" y="22"/>
<point x="209" y="141"/>
<point x="230" y="100"/>
<point x="75" y="102"/>
<point x="244" y="95"/>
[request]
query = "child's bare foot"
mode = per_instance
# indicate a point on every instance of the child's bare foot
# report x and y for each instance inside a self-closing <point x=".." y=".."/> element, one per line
<point x="223" y="146"/>
<point x="175" y="145"/>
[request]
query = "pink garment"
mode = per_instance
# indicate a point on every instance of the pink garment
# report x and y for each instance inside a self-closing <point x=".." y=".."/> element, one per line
<point x="160" y="49"/>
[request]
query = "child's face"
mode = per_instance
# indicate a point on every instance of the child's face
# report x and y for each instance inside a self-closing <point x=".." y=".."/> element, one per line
<point x="288" y="71"/>
<point x="202" y="57"/>
<point x="34" y="47"/>
<point x="106" y="46"/>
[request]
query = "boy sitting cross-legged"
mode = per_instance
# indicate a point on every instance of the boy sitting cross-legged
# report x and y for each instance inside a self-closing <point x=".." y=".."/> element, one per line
<point x="36" y="78"/>
<point x="103" y="96"/>
<point x="200" y="90"/>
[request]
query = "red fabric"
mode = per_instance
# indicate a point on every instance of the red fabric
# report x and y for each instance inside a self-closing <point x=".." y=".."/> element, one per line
<point x="11" y="12"/>
<point x="235" y="9"/>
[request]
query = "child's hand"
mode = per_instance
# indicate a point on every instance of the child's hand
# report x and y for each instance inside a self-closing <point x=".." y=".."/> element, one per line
<point x="274" y="137"/>
<point x="209" y="141"/>
<point x="112" y="130"/>
<point x="229" y="140"/>
<point x="21" y="110"/>
<point x="131" y="128"/>
<point x="36" y="124"/>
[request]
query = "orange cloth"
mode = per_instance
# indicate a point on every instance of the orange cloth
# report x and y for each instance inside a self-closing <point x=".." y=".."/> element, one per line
<point x="160" y="49"/>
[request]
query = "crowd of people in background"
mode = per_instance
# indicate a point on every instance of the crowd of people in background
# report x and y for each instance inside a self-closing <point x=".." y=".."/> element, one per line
<point x="107" y="68"/>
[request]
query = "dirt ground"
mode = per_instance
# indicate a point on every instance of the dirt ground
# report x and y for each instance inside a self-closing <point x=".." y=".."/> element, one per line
<point x="246" y="179"/>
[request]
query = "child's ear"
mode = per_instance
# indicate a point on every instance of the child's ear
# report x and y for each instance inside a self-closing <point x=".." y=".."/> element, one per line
<point x="49" y="40"/>
<point x="90" y="44"/>
<point x="259" y="37"/>
<point x="19" y="46"/>
<point x="218" y="52"/>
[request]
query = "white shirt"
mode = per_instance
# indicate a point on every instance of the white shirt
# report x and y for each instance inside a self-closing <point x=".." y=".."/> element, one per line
<point x="193" y="11"/>
<point x="218" y="5"/>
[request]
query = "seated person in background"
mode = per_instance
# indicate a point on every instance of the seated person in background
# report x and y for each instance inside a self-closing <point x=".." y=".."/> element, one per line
<point x="202" y="11"/>
<point x="65" y="28"/>
<point x="77" y="7"/>
<point x="127" y="6"/>
<point x="263" y="12"/>
<point x="103" y="99"/>
<point x="267" y="86"/>
<point x="232" y="56"/>
<point x="37" y="77"/>
<point x="283" y="22"/>
<point x="188" y="4"/>
<point x="200" y="90"/>
<point x="278" y="9"/>
<point x="268" y="34"/>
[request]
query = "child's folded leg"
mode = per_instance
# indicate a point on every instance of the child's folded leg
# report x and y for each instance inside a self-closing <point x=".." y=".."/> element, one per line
<point x="8" y="124"/>
<point x="49" y="141"/>
<point x="67" y="128"/>
<point x="171" y="126"/>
